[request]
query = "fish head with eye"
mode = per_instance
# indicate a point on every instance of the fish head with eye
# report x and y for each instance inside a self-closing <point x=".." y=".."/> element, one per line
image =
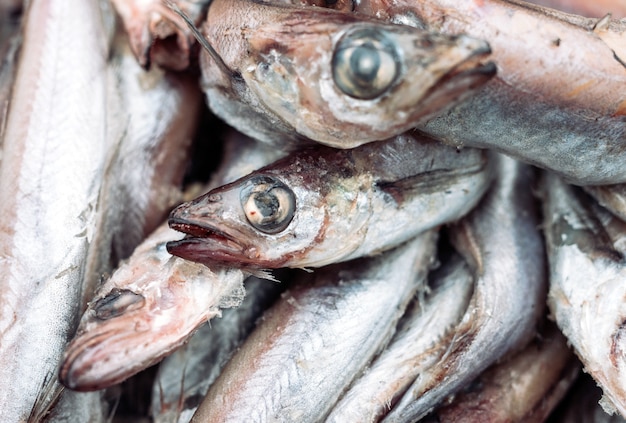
<point x="141" y="313"/>
<point x="337" y="78"/>
<point x="268" y="220"/>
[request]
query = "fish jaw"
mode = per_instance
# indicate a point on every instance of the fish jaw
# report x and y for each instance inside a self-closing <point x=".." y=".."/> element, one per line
<point x="287" y="82"/>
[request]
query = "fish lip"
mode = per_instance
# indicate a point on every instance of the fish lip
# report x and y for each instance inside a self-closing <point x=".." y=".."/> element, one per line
<point x="196" y="230"/>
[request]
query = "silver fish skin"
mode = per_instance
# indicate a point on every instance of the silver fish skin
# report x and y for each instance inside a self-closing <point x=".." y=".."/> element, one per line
<point x="184" y="377"/>
<point x="153" y="302"/>
<point x="523" y="388"/>
<point x="416" y="346"/>
<point x="501" y="242"/>
<point x="272" y="70"/>
<point x="557" y="100"/>
<point x="54" y="148"/>
<point x="321" y="334"/>
<point x="152" y="118"/>
<point x="586" y="248"/>
<point x="612" y="197"/>
<point x="151" y="25"/>
<point x="332" y="205"/>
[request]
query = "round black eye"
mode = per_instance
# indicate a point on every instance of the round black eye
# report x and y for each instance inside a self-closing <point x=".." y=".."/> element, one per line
<point x="365" y="64"/>
<point x="268" y="204"/>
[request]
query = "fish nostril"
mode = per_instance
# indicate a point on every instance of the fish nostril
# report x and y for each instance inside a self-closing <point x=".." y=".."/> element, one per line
<point x="116" y="303"/>
<point x="214" y="198"/>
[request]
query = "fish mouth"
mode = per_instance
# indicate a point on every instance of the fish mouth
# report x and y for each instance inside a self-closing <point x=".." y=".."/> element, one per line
<point x="207" y="244"/>
<point x="97" y="360"/>
<point x="460" y="82"/>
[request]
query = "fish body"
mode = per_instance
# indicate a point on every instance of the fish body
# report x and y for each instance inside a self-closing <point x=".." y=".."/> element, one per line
<point x="185" y="376"/>
<point x="152" y="117"/>
<point x="324" y="205"/>
<point x="501" y="242"/>
<point x="558" y="99"/>
<point x="416" y="346"/>
<point x="53" y="157"/>
<point x="586" y="247"/>
<point x="525" y="387"/>
<point x="317" y="338"/>
<point x="277" y="70"/>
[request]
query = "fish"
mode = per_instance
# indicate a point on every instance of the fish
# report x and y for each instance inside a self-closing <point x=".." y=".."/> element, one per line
<point x="303" y="73"/>
<point x="184" y="377"/>
<point x="523" y="388"/>
<point x="158" y="35"/>
<point x="153" y="302"/>
<point x="310" y="345"/>
<point x="324" y="205"/>
<point x="152" y="117"/>
<point x="557" y="100"/>
<point x="586" y="248"/>
<point x="53" y="159"/>
<point x="416" y="345"/>
<point x="501" y="242"/>
<point x="148" y="307"/>
<point x="612" y="197"/>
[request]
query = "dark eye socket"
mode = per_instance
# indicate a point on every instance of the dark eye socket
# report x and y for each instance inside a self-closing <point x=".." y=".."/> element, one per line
<point x="268" y="204"/>
<point x="365" y="63"/>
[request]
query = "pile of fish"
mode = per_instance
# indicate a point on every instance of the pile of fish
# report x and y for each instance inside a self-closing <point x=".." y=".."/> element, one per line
<point x="312" y="210"/>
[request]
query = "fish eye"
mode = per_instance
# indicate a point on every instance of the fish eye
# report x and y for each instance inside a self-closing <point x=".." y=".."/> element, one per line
<point x="365" y="64"/>
<point x="268" y="204"/>
<point x="116" y="303"/>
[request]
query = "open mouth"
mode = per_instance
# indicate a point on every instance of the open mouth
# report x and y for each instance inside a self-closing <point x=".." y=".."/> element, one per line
<point x="203" y="243"/>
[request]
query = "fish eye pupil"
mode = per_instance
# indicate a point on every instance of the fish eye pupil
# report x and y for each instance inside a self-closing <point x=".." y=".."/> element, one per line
<point x="268" y="204"/>
<point x="365" y="63"/>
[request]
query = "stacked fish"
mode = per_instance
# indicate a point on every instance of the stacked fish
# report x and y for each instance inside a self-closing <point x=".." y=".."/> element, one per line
<point x="379" y="168"/>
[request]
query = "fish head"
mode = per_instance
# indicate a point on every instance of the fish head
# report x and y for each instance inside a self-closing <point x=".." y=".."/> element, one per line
<point x="140" y="315"/>
<point x="344" y="79"/>
<point x="264" y="220"/>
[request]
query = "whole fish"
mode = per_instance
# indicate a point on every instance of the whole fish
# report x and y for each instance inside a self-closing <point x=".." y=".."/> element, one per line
<point x="153" y="302"/>
<point x="317" y="338"/>
<point x="323" y="205"/>
<point x="53" y="157"/>
<point x="523" y="388"/>
<point x="157" y="34"/>
<point x="501" y="242"/>
<point x="558" y="100"/>
<point x="613" y="197"/>
<point x="416" y="346"/>
<point x="335" y="78"/>
<point x="586" y="247"/>
<point x="185" y="376"/>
